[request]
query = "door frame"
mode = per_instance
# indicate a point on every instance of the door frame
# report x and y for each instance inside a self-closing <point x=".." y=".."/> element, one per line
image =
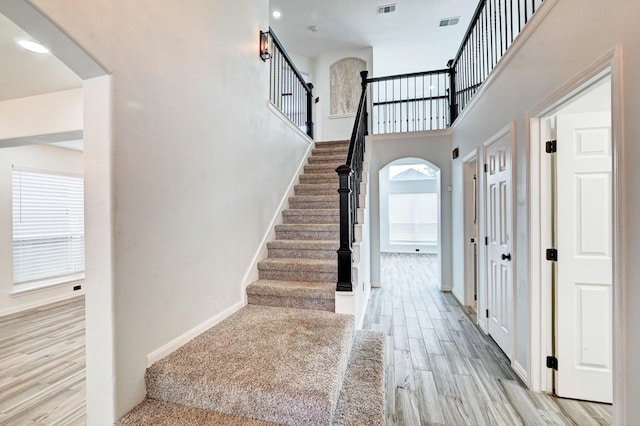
<point x="483" y="290"/>
<point x="540" y="224"/>
<point x="469" y="205"/>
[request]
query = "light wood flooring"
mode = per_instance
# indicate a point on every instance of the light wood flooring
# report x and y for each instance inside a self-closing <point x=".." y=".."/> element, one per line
<point x="440" y="369"/>
<point x="42" y="366"/>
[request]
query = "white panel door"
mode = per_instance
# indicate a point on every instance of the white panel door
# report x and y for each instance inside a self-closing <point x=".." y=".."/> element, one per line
<point x="499" y="262"/>
<point x="584" y="267"/>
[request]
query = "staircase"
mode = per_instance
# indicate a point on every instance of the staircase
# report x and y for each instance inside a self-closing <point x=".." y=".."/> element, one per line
<point x="286" y="358"/>
<point x="300" y="270"/>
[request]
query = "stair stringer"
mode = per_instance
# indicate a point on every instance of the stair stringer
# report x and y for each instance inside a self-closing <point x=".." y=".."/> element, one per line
<point x="355" y="301"/>
<point x="251" y="274"/>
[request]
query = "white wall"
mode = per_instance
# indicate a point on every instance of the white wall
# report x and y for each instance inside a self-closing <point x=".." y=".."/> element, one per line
<point x="58" y="113"/>
<point x="340" y="127"/>
<point x="574" y="35"/>
<point x="198" y="164"/>
<point x="40" y="157"/>
<point x="434" y="147"/>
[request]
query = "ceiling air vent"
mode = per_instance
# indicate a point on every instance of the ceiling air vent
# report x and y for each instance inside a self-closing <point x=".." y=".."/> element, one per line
<point x="390" y="8"/>
<point x="447" y="22"/>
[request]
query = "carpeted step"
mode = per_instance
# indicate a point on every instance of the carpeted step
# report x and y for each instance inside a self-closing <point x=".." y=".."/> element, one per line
<point x="361" y="400"/>
<point x="271" y="364"/>
<point x="306" y="249"/>
<point x="288" y="269"/>
<point x="304" y="231"/>
<point x="320" y="168"/>
<point x="314" y="202"/>
<point x="316" y="188"/>
<point x="327" y="159"/>
<point x="319" y="178"/>
<point x="332" y="144"/>
<point x="311" y="216"/>
<point x="157" y="413"/>
<point x="331" y="151"/>
<point x="293" y="294"/>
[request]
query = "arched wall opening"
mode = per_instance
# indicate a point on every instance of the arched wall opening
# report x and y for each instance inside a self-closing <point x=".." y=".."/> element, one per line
<point x="409" y="204"/>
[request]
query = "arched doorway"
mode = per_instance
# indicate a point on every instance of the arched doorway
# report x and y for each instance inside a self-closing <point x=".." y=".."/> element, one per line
<point x="410" y="213"/>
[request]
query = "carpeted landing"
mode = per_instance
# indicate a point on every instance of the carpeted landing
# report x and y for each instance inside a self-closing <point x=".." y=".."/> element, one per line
<point x="269" y="365"/>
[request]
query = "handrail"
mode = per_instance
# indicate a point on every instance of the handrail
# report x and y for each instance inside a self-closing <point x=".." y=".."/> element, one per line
<point x="350" y="177"/>
<point x="288" y="90"/>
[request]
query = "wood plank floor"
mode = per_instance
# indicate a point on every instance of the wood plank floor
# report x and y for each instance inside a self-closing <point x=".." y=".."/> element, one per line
<point x="440" y="369"/>
<point x="42" y="366"/>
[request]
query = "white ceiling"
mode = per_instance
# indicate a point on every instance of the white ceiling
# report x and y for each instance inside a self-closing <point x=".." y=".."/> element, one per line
<point x="347" y="24"/>
<point x="24" y="73"/>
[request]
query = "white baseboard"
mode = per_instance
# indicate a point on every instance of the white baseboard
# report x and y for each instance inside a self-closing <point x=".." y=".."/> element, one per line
<point x="520" y="371"/>
<point x="176" y="343"/>
<point x="375" y="284"/>
<point x="32" y="305"/>
<point x="251" y="274"/>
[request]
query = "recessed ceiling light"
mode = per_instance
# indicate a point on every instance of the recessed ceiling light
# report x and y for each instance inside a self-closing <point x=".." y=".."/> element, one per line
<point x="32" y="46"/>
<point x="277" y="14"/>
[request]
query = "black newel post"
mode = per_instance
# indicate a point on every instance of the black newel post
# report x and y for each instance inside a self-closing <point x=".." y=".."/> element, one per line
<point x="453" y="105"/>
<point x="363" y="76"/>
<point x="310" y="111"/>
<point x="344" y="252"/>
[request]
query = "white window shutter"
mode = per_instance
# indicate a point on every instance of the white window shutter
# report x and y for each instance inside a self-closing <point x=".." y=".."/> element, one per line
<point x="48" y="225"/>
<point x="413" y="218"/>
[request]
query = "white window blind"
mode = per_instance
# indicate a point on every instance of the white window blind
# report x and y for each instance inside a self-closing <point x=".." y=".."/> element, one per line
<point x="413" y="218"/>
<point x="48" y="226"/>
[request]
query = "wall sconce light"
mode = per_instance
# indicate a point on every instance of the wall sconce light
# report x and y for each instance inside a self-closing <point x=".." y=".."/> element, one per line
<point x="264" y="46"/>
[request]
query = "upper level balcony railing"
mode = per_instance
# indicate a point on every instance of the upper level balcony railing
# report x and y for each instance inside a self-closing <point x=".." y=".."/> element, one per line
<point x="432" y="100"/>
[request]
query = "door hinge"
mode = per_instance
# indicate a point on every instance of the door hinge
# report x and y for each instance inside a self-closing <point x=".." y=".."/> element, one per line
<point x="552" y="362"/>
<point x="551" y="146"/>
<point x="487" y="313"/>
<point x="486" y="167"/>
<point x="552" y="255"/>
<point x="486" y="241"/>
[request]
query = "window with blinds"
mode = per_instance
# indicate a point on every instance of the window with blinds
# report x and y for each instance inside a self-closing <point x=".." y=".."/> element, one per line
<point x="48" y="226"/>
<point x="413" y="218"/>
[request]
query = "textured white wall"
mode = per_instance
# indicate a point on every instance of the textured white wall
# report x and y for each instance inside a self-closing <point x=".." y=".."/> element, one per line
<point x="574" y="35"/>
<point x="198" y="163"/>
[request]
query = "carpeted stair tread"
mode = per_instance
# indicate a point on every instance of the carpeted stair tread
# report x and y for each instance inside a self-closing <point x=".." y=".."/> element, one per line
<point x="361" y="400"/>
<point x="316" y="290"/>
<point x="271" y="364"/>
<point x="293" y="294"/>
<point x="311" y="216"/>
<point x="304" y="244"/>
<point x="332" y="144"/>
<point x="331" y="177"/>
<point x="316" y="189"/>
<point x="330" y="151"/>
<point x="157" y="413"/>
<point x="320" y="168"/>
<point x="308" y="231"/>
<point x="332" y="159"/>
<point x="315" y="265"/>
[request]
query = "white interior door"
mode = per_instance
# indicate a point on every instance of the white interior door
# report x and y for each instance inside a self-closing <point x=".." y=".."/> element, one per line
<point x="499" y="262"/>
<point x="584" y="267"/>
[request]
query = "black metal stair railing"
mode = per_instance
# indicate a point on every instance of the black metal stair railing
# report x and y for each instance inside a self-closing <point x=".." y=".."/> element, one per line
<point x="288" y="90"/>
<point x="493" y="29"/>
<point x="350" y="176"/>
<point x="410" y="102"/>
